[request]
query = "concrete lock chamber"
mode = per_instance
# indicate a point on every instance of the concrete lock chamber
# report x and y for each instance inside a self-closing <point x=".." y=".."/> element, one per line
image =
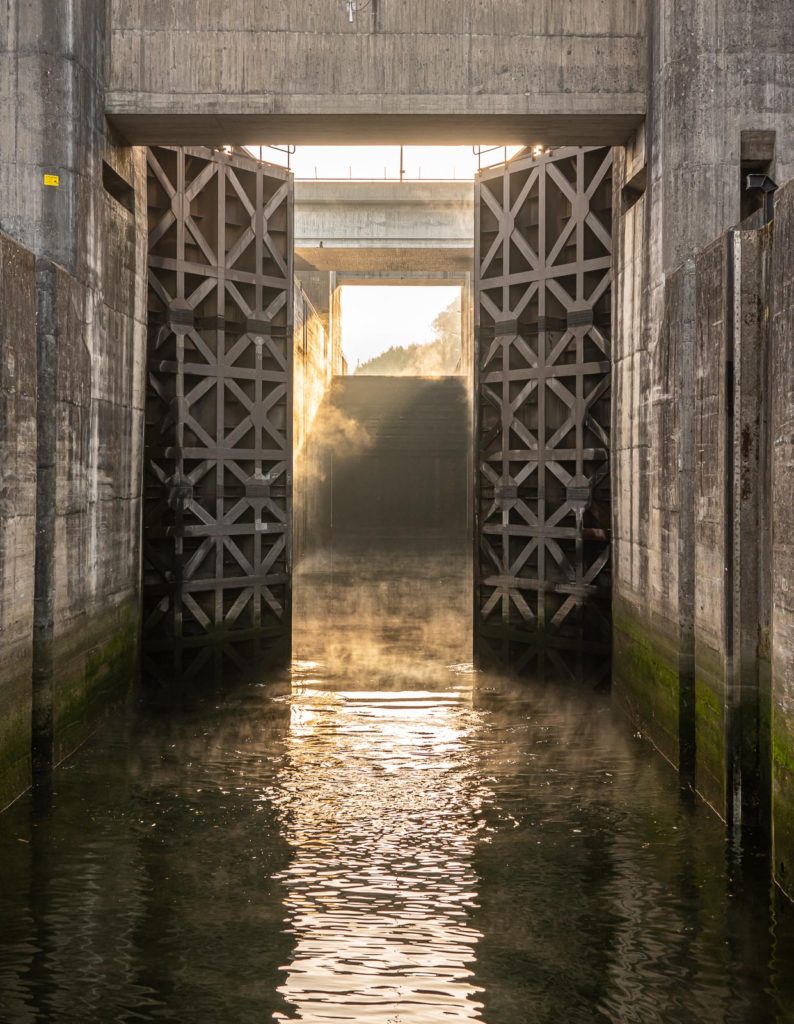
<point x="631" y="455"/>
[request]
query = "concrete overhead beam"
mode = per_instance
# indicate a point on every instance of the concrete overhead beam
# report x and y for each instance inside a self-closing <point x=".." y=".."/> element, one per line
<point x="203" y="121"/>
<point x="424" y="260"/>
<point x="384" y="225"/>
<point x="452" y="72"/>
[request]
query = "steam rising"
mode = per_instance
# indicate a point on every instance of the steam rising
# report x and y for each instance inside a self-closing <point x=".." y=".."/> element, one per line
<point x="335" y="430"/>
<point x="382" y="593"/>
<point x="386" y="622"/>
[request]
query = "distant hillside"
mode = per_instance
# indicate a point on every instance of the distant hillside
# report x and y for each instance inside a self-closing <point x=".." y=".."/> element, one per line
<point x="434" y="359"/>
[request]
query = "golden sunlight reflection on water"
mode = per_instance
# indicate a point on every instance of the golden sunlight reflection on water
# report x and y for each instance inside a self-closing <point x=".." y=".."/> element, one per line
<point x="381" y="805"/>
<point x="386" y="836"/>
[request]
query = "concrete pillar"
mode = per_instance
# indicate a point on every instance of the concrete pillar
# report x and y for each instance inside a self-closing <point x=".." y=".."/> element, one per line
<point x="652" y="385"/>
<point x="730" y="741"/>
<point x="74" y="198"/>
<point x="316" y="285"/>
<point x="748" y="734"/>
<point x="17" y="511"/>
<point x="781" y="433"/>
<point x="340" y="364"/>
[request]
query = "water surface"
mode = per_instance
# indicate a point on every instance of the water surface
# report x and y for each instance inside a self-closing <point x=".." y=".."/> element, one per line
<point x="382" y="836"/>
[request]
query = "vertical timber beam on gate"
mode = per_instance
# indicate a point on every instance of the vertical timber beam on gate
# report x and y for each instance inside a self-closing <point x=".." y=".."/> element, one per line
<point x="218" y="443"/>
<point x="542" y="374"/>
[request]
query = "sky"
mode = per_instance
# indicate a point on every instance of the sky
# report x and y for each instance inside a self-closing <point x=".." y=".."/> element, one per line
<point x="458" y="162"/>
<point x="375" y="318"/>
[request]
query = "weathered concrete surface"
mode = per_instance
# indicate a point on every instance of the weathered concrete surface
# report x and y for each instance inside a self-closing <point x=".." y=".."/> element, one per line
<point x="317" y="286"/>
<point x="715" y="69"/>
<point x="703" y="697"/>
<point x="385" y="226"/>
<point x="97" y="411"/>
<point x="17" y="511"/>
<point x="712" y="429"/>
<point x="652" y="655"/>
<point x="748" y="703"/>
<point x="317" y="356"/>
<point x="451" y="71"/>
<point x="717" y="697"/>
<point x="781" y="432"/>
<point x="731" y="711"/>
<point x="89" y="246"/>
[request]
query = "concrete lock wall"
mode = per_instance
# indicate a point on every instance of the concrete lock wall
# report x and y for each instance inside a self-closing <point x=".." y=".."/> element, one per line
<point x="317" y="357"/>
<point x="700" y="73"/>
<point x="74" y="288"/>
<point x="447" y="71"/>
<point x="716" y="70"/>
<point x="731" y="516"/>
<point x="780" y="592"/>
<point x="716" y="693"/>
<point x="17" y="510"/>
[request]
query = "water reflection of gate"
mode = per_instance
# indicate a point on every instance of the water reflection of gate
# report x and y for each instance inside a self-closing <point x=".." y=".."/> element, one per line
<point x="218" y="412"/>
<point x="543" y="274"/>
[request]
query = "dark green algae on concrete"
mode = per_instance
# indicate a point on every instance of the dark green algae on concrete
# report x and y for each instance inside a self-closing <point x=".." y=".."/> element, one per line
<point x="783" y="800"/>
<point x="94" y="664"/>
<point x="15" y="735"/>
<point x="646" y="679"/>
<point x="710" y="758"/>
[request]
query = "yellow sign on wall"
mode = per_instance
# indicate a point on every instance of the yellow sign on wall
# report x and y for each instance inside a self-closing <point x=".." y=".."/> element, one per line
<point x="52" y="180"/>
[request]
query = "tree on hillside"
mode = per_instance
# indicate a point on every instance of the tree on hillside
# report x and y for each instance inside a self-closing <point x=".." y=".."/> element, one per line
<point x="436" y="358"/>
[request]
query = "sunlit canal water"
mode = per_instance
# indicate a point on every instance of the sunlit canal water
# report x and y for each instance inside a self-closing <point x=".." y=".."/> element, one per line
<point x="384" y="837"/>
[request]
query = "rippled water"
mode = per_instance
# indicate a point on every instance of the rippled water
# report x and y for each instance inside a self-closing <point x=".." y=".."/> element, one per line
<point x="384" y="837"/>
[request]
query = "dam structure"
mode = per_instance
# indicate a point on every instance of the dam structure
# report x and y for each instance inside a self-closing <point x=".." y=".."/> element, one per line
<point x="585" y="517"/>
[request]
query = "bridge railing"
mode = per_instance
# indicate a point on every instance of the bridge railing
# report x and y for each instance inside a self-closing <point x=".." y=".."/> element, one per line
<point x="385" y="163"/>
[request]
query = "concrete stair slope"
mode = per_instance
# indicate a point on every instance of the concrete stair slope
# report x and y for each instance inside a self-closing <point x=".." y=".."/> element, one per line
<point x="414" y="414"/>
<point x="407" y="480"/>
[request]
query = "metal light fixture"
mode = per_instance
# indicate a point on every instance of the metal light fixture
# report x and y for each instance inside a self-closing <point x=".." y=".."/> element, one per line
<point x="354" y="6"/>
<point x="768" y="187"/>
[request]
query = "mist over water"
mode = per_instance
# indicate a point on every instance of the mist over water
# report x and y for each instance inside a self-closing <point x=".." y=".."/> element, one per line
<point x="383" y="835"/>
<point x="380" y="835"/>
